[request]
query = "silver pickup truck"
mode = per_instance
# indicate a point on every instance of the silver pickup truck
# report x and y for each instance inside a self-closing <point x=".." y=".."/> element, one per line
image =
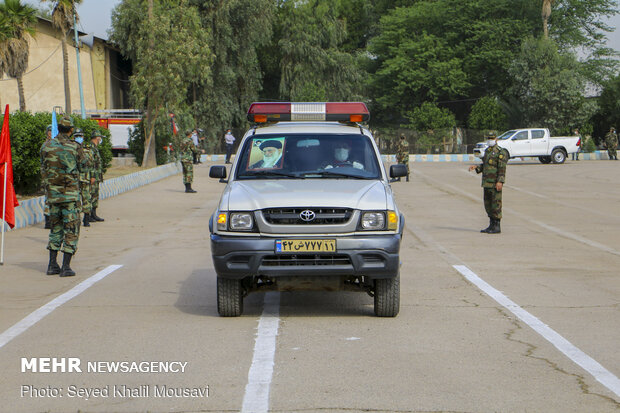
<point x="534" y="142"/>
<point x="307" y="206"/>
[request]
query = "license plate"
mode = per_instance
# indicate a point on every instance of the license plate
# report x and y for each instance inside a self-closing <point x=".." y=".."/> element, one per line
<point x="306" y="245"/>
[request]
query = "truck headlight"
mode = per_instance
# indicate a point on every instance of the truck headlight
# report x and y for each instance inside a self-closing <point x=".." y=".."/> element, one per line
<point x="241" y="221"/>
<point x="373" y="221"/>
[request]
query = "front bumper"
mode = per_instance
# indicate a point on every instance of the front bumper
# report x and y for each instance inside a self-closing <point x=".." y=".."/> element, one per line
<point x="373" y="256"/>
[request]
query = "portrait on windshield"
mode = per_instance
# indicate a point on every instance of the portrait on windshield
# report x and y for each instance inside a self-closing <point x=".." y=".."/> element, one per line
<point x="266" y="153"/>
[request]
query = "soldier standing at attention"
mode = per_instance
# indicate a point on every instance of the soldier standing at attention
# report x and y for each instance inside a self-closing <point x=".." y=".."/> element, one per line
<point x="46" y="210"/>
<point x="61" y="165"/>
<point x="97" y="176"/>
<point x="611" y="142"/>
<point x="493" y="170"/>
<point x="86" y="165"/>
<point x="402" y="154"/>
<point x="187" y="151"/>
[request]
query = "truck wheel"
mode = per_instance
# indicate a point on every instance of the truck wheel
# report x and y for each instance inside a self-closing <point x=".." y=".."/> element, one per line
<point x="387" y="297"/>
<point x="229" y="297"/>
<point x="544" y="159"/>
<point x="558" y="156"/>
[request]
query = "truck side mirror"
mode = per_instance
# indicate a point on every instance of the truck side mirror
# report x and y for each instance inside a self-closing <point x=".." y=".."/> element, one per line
<point x="218" y="171"/>
<point x="398" y="170"/>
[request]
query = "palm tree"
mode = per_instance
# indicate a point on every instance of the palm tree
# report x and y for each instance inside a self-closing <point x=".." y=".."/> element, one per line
<point x="19" y="21"/>
<point x="62" y="18"/>
<point x="546" y="13"/>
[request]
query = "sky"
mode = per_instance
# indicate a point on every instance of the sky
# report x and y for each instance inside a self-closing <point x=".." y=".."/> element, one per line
<point x="95" y="17"/>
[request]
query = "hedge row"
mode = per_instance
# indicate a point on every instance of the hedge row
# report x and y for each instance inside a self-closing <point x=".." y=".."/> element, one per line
<point x="27" y="132"/>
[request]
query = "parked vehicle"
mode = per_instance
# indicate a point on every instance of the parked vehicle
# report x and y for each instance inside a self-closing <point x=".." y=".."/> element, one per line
<point x="535" y="142"/>
<point x="120" y="123"/>
<point x="308" y="206"/>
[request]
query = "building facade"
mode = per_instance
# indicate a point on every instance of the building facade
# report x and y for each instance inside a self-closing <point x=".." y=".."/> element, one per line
<point x="105" y="74"/>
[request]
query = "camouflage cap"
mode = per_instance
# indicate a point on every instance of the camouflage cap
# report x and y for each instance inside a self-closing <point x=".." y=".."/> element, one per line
<point x="96" y="134"/>
<point x="78" y="132"/>
<point x="49" y="128"/>
<point x="188" y="131"/>
<point x="66" y="122"/>
<point x="492" y="135"/>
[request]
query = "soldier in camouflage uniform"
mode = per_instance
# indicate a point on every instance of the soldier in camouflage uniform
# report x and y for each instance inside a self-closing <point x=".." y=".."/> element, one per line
<point x="86" y="166"/>
<point x="611" y="142"/>
<point x="187" y="157"/>
<point x="402" y="154"/>
<point x="493" y="170"/>
<point x="46" y="210"/>
<point x="97" y="175"/>
<point x="61" y="171"/>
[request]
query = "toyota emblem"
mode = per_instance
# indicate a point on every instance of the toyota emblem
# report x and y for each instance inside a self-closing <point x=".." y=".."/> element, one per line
<point x="307" y="215"/>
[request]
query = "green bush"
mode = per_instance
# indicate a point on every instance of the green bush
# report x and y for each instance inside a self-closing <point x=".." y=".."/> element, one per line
<point x="27" y="132"/>
<point x="589" y="146"/>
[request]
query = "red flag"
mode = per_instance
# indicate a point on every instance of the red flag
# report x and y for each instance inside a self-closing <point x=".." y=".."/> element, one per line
<point x="6" y="159"/>
<point x="175" y="130"/>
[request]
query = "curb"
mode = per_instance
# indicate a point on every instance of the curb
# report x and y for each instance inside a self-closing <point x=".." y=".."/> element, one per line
<point x="461" y="157"/>
<point x="30" y="211"/>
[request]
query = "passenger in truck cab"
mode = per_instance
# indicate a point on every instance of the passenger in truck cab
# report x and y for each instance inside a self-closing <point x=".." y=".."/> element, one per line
<point x="342" y="156"/>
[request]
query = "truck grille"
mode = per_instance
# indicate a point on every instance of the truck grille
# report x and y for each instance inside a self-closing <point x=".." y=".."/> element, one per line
<point x="322" y="216"/>
<point x="299" y="260"/>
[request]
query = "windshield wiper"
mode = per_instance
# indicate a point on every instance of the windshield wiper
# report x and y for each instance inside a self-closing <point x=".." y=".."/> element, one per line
<point x="333" y="174"/>
<point x="271" y="173"/>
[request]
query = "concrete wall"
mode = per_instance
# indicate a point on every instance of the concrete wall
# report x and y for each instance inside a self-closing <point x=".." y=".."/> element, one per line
<point x="43" y="81"/>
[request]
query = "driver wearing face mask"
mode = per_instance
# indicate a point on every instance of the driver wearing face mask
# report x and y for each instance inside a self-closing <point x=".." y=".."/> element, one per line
<point x="342" y="153"/>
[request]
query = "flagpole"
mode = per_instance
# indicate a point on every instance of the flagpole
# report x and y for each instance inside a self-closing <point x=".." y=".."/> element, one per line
<point x="6" y="165"/>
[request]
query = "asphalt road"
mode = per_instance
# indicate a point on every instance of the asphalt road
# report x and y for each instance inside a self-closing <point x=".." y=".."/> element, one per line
<point x="452" y="348"/>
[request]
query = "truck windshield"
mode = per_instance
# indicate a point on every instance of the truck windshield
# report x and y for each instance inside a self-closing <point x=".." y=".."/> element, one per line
<point x="305" y="156"/>
<point x="506" y="135"/>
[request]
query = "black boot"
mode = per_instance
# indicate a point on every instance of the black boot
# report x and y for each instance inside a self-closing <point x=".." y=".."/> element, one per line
<point x="495" y="229"/>
<point x="188" y="188"/>
<point x="487" y="229"/>
<point x="66" y="270"/>
<point x="48" y="224"/>
<point x="52" y="267"/>
<point x="94" y="217"/>
<point x="86" y="220"/>
<point x="407" y="178"/>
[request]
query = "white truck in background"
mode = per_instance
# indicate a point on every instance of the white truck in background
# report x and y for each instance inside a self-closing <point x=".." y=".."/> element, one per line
<point x="534" y="142"/>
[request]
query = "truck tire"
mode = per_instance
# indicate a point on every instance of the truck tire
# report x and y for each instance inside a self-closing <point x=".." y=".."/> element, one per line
<point x="558" y="156"/>
<point x="387" y="297"/>
<point x="544" y="159"/>
<point x="229" y="297"/>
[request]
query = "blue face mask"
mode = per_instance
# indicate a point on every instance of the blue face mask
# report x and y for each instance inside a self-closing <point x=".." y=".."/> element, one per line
<point x="79" y="139"/>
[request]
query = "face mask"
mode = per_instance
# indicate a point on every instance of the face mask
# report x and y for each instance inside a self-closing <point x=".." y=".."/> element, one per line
<point x="341" y="154"/>
<point x="491" y="142"/>
<point x="79" y="139"/>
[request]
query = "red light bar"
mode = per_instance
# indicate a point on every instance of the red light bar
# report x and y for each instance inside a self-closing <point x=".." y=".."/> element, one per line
<point x="308" y="111"/>
<point x="261" y="112"/>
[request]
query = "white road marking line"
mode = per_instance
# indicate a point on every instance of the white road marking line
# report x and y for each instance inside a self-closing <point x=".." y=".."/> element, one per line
<point x="34" y="317"/>
<point x="560" y="232"/>
<point x="256" y="398"/>
<point x="604" y="376"/>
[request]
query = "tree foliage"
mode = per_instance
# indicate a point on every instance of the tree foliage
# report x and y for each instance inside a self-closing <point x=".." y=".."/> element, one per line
<point x="610" y="103"/>
<point x="169" y="53"/>
<point x="487" y="113"/>
<point x="550" y="86"/>
<point x="18" y="22"/>
<point x="239" y="30"/>
<point x="312" y="65"/>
